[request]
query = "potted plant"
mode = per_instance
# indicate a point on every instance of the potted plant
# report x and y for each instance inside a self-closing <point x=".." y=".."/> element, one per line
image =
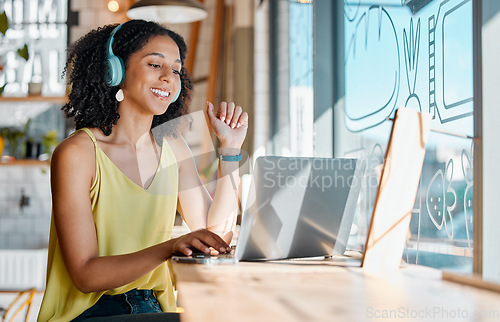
<point x="14" y="137"/>
<point x="49" y="142"/>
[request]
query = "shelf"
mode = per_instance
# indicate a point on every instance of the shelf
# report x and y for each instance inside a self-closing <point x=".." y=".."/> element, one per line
<point x="25" y="162"/>
<point x="35" y="98"/>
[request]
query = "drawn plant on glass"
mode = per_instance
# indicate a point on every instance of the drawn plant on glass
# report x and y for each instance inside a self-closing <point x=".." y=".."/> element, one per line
<point x="411" y="45"/>
<point x="374" y="172"/>
<point x="467" y="162"/>
<point x="438" y="200"/>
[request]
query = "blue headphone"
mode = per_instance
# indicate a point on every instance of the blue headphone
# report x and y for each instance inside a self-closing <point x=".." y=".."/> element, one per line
<point x="116" y="68"/>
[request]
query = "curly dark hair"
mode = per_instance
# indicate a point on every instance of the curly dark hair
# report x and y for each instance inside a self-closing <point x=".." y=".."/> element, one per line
<point x="91" y="101"/>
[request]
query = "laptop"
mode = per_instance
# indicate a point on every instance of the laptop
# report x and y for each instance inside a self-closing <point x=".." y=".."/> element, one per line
<point x="297" y="207"/>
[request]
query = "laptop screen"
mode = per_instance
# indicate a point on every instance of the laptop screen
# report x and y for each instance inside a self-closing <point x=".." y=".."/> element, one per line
<point x="299" y="207"/>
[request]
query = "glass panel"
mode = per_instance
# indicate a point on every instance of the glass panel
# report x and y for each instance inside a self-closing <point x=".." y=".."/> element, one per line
<point x="418" y="54"/>
<point x="292" y="51"/>
<point x="301" y="77"/>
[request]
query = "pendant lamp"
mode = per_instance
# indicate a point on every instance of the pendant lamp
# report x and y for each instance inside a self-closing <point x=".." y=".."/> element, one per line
<point x="168" y="11"/>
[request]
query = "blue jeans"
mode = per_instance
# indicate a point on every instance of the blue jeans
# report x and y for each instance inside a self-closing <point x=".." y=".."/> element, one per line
<point x="131" y="302"/>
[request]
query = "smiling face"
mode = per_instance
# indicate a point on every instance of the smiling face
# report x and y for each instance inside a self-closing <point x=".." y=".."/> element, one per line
<point x="152" y="76"/>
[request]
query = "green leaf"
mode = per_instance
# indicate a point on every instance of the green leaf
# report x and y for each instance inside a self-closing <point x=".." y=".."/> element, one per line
<point x="4" y="23"/>
<point x="2" y="88"/>
<point x="23" y="52"/>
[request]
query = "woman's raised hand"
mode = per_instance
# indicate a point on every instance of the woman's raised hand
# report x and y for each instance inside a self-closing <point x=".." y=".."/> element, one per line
<point x="202" y="240"/>
<point x="229" y="123"/>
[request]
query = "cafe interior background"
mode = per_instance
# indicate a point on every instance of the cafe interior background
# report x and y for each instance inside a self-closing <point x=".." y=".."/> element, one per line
<point x="317" y="77"/>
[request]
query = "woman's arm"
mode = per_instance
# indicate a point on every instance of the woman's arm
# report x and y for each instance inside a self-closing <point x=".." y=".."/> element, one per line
<point x="195" y="204"/>
<point x="72" y="174"/>
<point x="230" y="124"/>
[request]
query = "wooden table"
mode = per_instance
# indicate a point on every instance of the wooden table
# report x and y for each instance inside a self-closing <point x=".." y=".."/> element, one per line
<point x="323" y="291"/>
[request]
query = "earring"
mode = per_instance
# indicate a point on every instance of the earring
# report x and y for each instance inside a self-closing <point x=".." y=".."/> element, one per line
<point x="119" y="95"/>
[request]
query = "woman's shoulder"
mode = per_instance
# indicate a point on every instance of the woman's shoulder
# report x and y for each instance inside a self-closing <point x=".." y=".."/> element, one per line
<point x="77" y="148"/>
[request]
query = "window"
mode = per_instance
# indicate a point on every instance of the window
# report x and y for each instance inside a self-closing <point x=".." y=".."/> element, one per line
<point x="417" y="54"/>
<point x="292" y="91"/>
<point x="383" y="55"/>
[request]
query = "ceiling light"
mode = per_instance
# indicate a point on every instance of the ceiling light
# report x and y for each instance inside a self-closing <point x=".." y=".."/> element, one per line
<point x="113" y="6"/>
<point x="168" y="11"/>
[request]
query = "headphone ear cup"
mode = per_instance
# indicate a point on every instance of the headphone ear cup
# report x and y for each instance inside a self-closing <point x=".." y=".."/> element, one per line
<point x="176" y="95"/>
<point x="116" y="71"/>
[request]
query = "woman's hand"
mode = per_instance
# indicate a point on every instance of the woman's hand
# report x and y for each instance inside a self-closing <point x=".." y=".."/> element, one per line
<point x="202" y="240"/>
<point x="229" y="123"/>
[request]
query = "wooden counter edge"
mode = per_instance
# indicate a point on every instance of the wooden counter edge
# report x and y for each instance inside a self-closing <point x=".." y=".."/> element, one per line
<point x="474" y="281"/>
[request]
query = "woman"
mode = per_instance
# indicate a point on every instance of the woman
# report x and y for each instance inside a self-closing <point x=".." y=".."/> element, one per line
<point x="108" y="248"/>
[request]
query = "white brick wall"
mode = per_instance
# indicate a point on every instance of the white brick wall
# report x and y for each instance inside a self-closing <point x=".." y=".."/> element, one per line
<point x="27" y="227"/>
<point x="93" y="14"/>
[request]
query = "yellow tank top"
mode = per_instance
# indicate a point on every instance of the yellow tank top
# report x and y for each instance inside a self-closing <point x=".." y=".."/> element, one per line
<point x="127" y="218"/>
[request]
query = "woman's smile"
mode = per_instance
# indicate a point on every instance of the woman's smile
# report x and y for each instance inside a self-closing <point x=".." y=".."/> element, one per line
<point x="161" y="94"/>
